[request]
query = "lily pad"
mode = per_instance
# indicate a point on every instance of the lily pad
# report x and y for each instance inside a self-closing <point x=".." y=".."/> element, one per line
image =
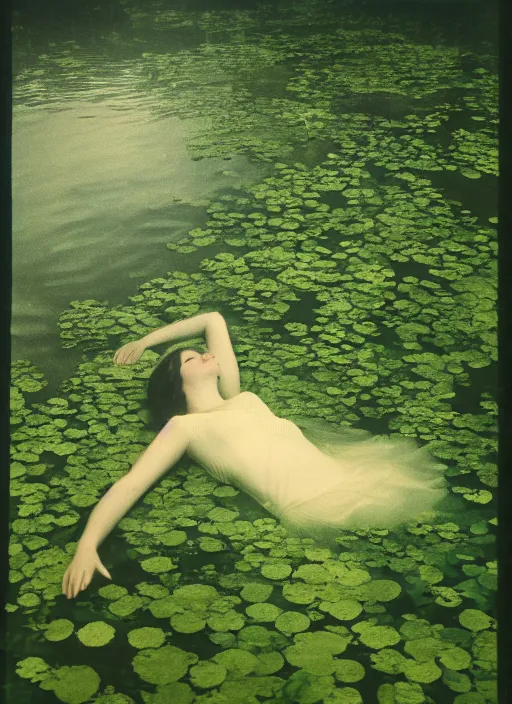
<point x="163" y="665"/>
<point x="276" y="571"/>
<point x="158" y="565"/>
<point x="348" y="670"/>
<point x="263" y="612"/>
<point x="238" y="663"/>
<point x="256" y="592"/>
<point x="60" y="629"/>
<point x="206" y="675"/>
<point x="292" y="622"/>
<point x="345" y="609"/>
<point x="96" y="634"/>
<point x="146" y="637"/>
<point x="474" y="620"/>
<point x="76" y="684"/>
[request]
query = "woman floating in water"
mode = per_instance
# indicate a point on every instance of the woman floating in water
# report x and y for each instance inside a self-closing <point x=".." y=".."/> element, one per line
<point x="341" y="478"/>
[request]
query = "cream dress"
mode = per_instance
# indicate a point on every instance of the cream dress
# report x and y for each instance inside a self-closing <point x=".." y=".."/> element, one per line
<point x="338" y="478"/>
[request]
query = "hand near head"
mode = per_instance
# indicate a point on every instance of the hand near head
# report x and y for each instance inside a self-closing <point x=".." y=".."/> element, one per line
<point x="129" y="353"/>
<point x="80" y="572"/>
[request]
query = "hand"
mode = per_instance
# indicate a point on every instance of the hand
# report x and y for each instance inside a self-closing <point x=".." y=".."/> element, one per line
<point x="79" y="573"/>
<point x="130" y="353"/>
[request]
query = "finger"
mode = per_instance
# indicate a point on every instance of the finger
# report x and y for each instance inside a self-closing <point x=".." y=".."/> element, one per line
<point x="66" y="582"/>
<point x="76" y="584"/>
<point x="101" y="568"/>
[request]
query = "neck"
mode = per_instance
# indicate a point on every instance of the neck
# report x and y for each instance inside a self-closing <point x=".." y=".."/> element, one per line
<point x="202" y="398"/>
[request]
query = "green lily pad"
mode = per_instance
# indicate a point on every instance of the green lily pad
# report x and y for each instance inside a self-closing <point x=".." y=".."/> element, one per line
<point x="424" y="672"/>
<point x="376" y="636"/>
<point x="276" y="571"/>
<point x="76" y="684"/>
<point x="146" y="637"/>
<point x="238" y="663"/>
<point x="345" y="609"/>
<point x="158" y="565"/>
<point x="456" y="658"/>
<point x="256" y="592"/>
<point x="348" y="670"/>
<point x="474" y="620"/>
<point x="112" y="591"/>
<point x="163" y="665"/>
<point x="189" y="622"/>
<point x="299" y="593"/>
<point x="126" y="605"/>
<point x="211" y="545"/>
<point x="263" y="612"/>
<point x="206" y="675"/>
<point x="96" y="634"/>
<point x="60" y="629"/>
<point x="230" y="621"/>
<point x="292" y="622"/>
<point x="269" y="663"/>
<point x="173" y="538"/>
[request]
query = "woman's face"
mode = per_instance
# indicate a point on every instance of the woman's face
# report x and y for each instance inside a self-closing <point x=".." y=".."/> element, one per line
<point x="195" y="366"/>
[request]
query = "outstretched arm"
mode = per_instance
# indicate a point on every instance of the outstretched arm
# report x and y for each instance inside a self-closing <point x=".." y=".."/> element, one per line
<point x="165" y="450"/>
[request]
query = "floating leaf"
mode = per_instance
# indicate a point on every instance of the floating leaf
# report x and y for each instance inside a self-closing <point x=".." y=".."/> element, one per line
<point x="60" y="629"/>
<point x="112" y="591"/>
<point x="158" y="565"/>
<point x="173" y="538"/>
<point x="455" y="658"/>
<point x="211" y="545"/>
<point x="188" y="622"/>
<point x="146" y="637"/>
<point x="348" y="670"/>
<point x="474" y="620"/>
<point x="256" y="592"/>
<point x="276" y="571"/>
<point x="96" y="634"/>
<point x="238" y="663"/>
<point x="163" y="665"/>
<point x="263" y="612"/>
<point x="346" y="609"/>
<point x="76" y="684"/>
<point x="207" y="674"/>
<point x="292" y="622"/>
<point x="376" y="636"/>
<point x="424" y="672"/>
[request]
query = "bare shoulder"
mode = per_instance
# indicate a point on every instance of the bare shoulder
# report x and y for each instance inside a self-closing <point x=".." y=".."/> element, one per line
<point x="253" y="400"/>
<point x="177" y="425"/>
<point x="250" y="396"/>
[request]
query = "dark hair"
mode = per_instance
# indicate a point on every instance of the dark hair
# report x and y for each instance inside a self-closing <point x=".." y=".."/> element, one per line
<point x="165" y="395"/>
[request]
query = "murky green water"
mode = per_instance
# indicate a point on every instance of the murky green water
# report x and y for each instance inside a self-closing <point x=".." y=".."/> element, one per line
<point x="327" y="180"/>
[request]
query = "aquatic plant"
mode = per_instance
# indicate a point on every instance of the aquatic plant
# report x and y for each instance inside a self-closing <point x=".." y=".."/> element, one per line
<point x="362" y="297"/>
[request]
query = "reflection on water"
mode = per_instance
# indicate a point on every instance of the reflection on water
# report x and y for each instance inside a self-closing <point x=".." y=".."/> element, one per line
<point x="99" y="186"/>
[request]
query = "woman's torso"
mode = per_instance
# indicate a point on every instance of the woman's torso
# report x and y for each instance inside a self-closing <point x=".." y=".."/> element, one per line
<point x="245" y="444"/>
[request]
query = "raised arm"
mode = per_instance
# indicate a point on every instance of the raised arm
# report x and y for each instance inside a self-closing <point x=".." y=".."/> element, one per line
<point x="165" y="450"/>
<point x="181" y="330"/>
<point x="218" y="342"/>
